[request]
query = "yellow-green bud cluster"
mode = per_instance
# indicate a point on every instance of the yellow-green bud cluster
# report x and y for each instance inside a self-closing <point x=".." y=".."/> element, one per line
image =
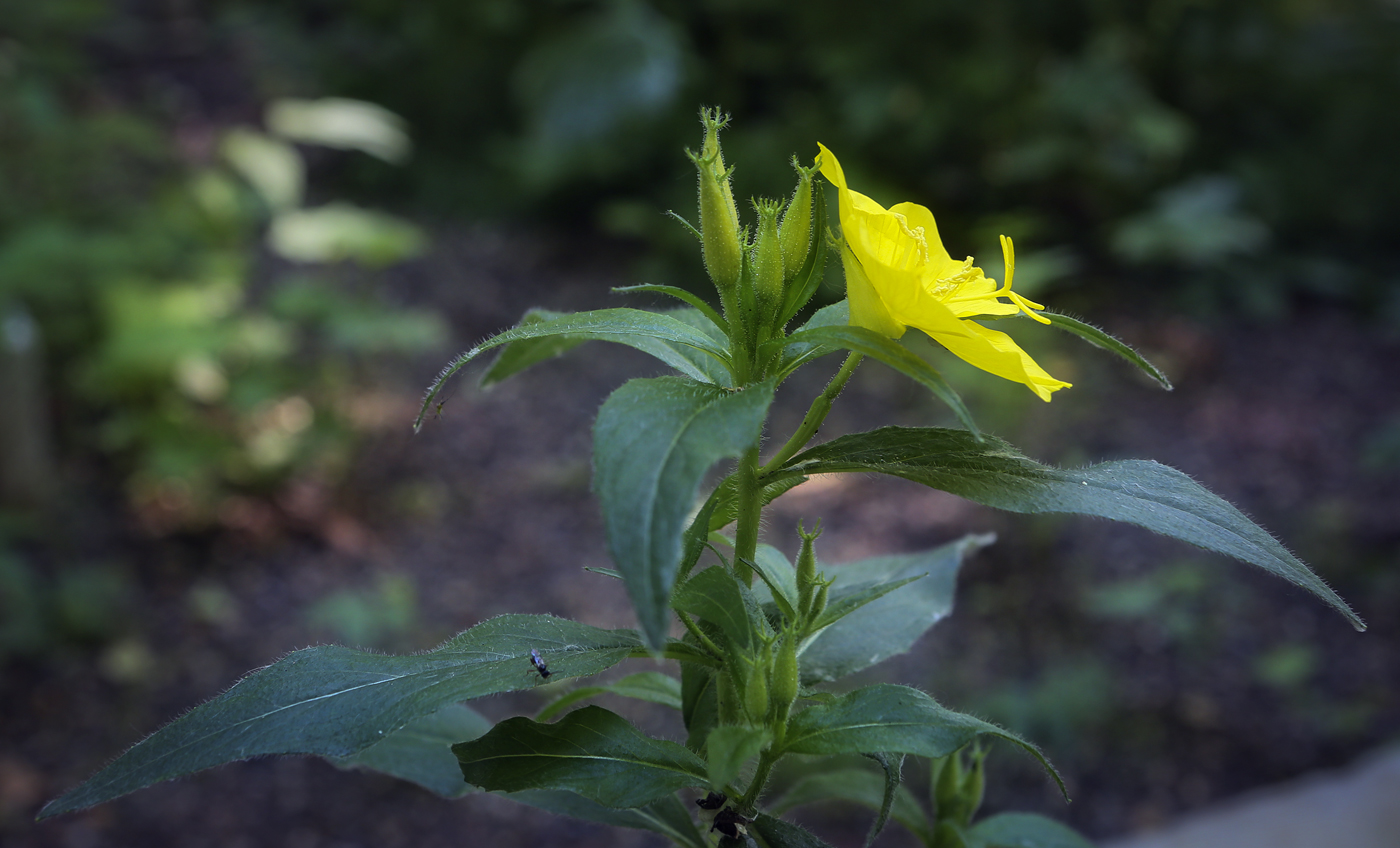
<point x="811" y="586"/>
<point x="958" y="787"/>
<point x="752" y="277"/>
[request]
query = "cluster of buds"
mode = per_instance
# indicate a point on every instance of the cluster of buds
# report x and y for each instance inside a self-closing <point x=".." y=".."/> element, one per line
<point x="762" y="275"/>
<point x="957" y="783"/>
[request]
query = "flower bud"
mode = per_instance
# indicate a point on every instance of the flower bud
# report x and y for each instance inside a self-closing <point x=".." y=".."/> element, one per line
<point x="819" y="602"/>
<point x="727" y="697"/>
<point x="767" y="262"/>
<point x="807" y="567"/>
<point x="719" y="217"/>
<point x="756" y="692"/>
<point x="785" y="678"/>
<point x="795" y="233"/>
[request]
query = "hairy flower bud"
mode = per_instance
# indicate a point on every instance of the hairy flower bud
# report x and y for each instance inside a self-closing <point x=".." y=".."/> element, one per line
<point x="795" y="232"/>
<point x="785" y="678"/>
<point x="768" y="261"/>
<point x="807" y="567"/>
<point x="719" y="217"/>
<point x="756" y="692"/>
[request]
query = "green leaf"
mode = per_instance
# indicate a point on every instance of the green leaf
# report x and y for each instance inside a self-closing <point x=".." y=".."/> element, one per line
<point x="1139" y="492"/>
<point x="798" y="351"/>
<point x="421" y="751"/>
<point x="857" y="786"/>
<point x="335" y="702"/>
<point x="658" y="335"/>
<point x="716" y="595"/>
<point x="889" y="625"/>
<point x="518" y="356"/>
<point x="856" y="597"/>
<point x="729" y="747"/>
<point x="1098" y="338"/>
<point x="591" y="751"/>
<point x="652" y="444"/>
<point x="779" y="577"/>
<point x="650" y="686"/>
<point x="680" y="294"/>
<point x="668" y="816"/>
<point x="895" y="719"/>
<point x="699" y="704"/>
<point x="888" y="351"/>
<point x="893" y="767"/>
<point x="1023" y="830"/>
<point x="776" y="833"/>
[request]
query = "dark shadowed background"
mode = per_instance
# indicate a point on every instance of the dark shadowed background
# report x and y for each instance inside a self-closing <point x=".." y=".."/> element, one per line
<point x="214" y="328"/>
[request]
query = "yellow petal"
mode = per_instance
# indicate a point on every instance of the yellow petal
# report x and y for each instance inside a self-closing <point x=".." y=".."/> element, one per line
<point x="867" y="309"/>
<point x="997" y="353"/>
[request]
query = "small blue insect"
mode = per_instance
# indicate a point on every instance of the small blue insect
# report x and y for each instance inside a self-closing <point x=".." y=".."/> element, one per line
<point x="539" y="664"/>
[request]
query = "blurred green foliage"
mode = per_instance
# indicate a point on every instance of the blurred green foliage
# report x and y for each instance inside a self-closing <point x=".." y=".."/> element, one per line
<point x="175" y="343"/>
<point x="1169" y="134"/>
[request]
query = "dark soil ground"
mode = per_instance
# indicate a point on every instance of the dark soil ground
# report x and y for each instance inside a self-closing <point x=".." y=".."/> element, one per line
<point x="1158" y="678"/>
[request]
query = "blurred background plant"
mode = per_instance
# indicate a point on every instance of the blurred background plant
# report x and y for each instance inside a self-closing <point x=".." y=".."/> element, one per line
<point x="204" y="366"/>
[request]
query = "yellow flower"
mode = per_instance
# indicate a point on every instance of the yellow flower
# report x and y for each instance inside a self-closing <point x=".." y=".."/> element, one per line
<point x="898" y="275"/>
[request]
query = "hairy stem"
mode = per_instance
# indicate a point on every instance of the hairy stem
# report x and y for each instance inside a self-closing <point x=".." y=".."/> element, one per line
<point x="766" y="760"/>
<point x="750" y="508"/>
<point x="816" y="414"/>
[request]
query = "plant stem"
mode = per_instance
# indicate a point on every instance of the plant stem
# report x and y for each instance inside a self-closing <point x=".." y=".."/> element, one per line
<point x="816" y="414"/>
<point x="750" y="508"/>
<point x="766" y="760"/>
<point x="699" y="635"/>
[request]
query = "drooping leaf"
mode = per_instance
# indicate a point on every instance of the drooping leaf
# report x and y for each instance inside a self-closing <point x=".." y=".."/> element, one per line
<point x="994" y="473"/>
<point x="716" y="595"/>
<point x="668" y="816"/>
<point x="591" y="751"/>
<point x="335" y="702"/>
<point x="892" y="765"/>
<point x="421" y="751"/>
<point x="652" y="444"/>
<point x="651" y="332"/>
<point x="1098" y="338"/>
<point x="891" y="718"/>
<point x="518" y="356"/>
<point x="891" y="624"/>
<point x="650" y="686"/>
<point x="857" y="786"/>
<point x="1023" y="830"/>
<point x="680" y="294"/>
<point x="702" y="364"/>
<point x="729" y="747"/>
<point x="776" y="833"/>
<point x="888" y="351"/>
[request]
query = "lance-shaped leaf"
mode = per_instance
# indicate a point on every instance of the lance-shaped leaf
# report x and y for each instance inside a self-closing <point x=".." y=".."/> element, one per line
<point x="857" y="786"/>
<point x="650" y="686"/>
<point x="994" y="473"/>
<point x="421" y="751"/>
<point x="776" y="833"/>
<point x="591" y="751"/>
<point x="1023" y="830"/>
<point x="722" y="508"/>
<point x="651" y="332"/>
<point x="890" y="352"/>
<point x="779" y="579"/>
<point x="668" y="816"/>
<point x="335" y="702"/>
<point x="652" y="444"/>
<point x="1100" y="339"/>
<point x="895" y="719"/>
<point x="798" y="350"/>
<point x="889" y="625"/>
<point x="689" y="297"/>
